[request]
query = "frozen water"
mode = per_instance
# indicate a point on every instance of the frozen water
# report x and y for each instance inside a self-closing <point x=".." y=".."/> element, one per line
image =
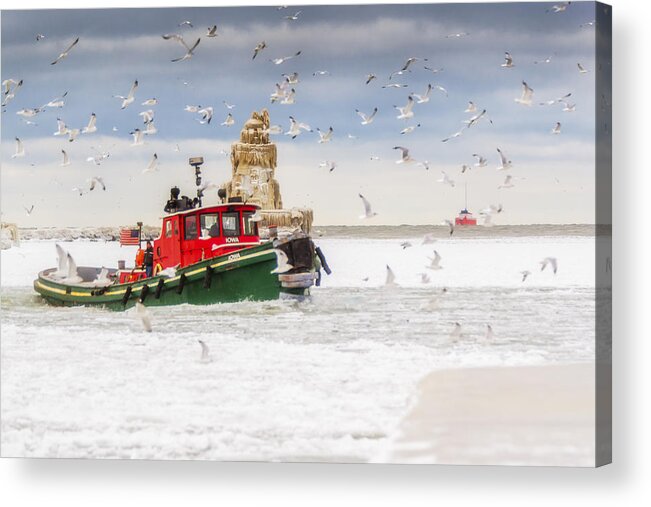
<point x="324" y="380"/>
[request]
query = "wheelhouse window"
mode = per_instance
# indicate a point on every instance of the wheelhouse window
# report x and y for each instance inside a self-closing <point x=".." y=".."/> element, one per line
<point x="190" y="224"/>
<point x="168" y="228"/>
<point x="209" y="225"/>
<point x="250" y="227"/>
<point x="231" y="224"/>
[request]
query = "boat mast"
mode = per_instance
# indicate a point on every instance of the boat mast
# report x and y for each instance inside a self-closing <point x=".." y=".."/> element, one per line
<point x="465" y="191"/>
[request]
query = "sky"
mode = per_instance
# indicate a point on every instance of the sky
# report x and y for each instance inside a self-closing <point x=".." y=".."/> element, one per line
<point x="553" y="175"/>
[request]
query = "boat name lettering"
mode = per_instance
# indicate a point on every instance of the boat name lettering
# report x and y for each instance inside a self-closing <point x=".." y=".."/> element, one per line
<point x="234" y="256"/>
<point x="232" y="240"/>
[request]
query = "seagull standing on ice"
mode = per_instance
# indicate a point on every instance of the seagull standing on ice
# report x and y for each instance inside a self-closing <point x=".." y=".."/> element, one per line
<point x="65" y="53"/>
<point x="143" y="314"/>
<point x="129" y="98"/>
<point x="368" y="212"/>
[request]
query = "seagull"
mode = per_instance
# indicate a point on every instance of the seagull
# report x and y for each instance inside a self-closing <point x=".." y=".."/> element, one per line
<point x="560" y="7"/>
<point x="80" y="191"/>
<point x="390" y="279"/>
<point x="456" y="332"/>
<point x="424" y="164"/>
<point x="557" y="128"/>
<point x="324" y="138"/>
<point x="29" y="210"/>
<point x="150" y="102"/>
<point x="143" y="315"/>
<point x="129" y="98"/>
<point x="582" y="70"/>
<point x="179" y="39"/>
<point x="525" y="274"/>
<point x="291" y="79"/>
<point x="282" y="261"/>
<point x="428" y="239"/>
<point x="551" y="261"/>
<point x="227" y="105"/>
<point x="410" y="129"/>
<point x="394" y="85"/>
<point x="589" y="23"/>
<point x="205" y="352"/>
<point x="97" y="159"/>
<point x="556" y="101"/>
<point x="169" y="272"/>
<point x="405" y="158"/>
<point x="278" y="61"/>
<point x="406" y="111"/>
<point x="259" y="47"/>
<point x="456" y="35"/>
<point x="481" y="161"/>
<point x="212" y="31"/>
<point x="288" y="98"/>
<point x="472" y="108"/>
<point x="96" y="180"/>
<point x="504" y="162"/>
<point x="366" y="120"/>
<point x="20" y="149"/>
<point x="492" y="209"/>
<point x="508" y="60"/>
<point x="66" y="159"/>
<point x="424" y="278"/>
<point x="71" y="275"/>
<point x="405" y="245"/>
<point x="489" y="333"/>
<point x="464" y="168"/>
<point x="321" y="73"/>
<point x="370" y="77"/>
<point x="8" y="91"/>
<point x="293" y="17"/>
<point x="450" y="225"/>
<point x="569" y="108"/>
<point x="138" y="137"/>
<point x="368" y="212"/>
<point x="329" y="164"/>
<point x="445" y="179"/>
<point x="206" y="115"/>
<point x="527" y="95"/>
<point x="90" y="128"/>
<point x="29" y="113"/>
<point x="295" y="128"/>
<point x="507" y="182"/>
<point x="432" y="70"/>
<point x="435" y="262"/>
<point x="192" y="109"/>
<point x="153" y="164"/>
<point x="421" y="99"/>
<point x="147" y="116"/>
<point x="39" y="37"/>
<point x="452" y="136"/>
<point x="57" y="102"/>
<point x="186" y="23"/>
<point x="475" y="119"/>
<point x="62" y="262"/>
<point x="65" y="53"/>
<point x="62" y="130"/>
<point x="546" y="60"/>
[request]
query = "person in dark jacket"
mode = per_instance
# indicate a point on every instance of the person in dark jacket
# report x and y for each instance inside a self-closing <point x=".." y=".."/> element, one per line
<point x="149" y="259"/>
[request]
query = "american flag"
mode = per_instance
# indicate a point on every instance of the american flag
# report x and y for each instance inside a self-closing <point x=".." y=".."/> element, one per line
<point x="129" y="237"/>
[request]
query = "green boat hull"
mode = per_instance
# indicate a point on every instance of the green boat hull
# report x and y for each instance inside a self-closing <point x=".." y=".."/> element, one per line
<point x="244" y="275"/>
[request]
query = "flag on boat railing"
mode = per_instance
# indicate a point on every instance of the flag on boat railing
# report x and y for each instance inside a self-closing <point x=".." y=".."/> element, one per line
<point x="129" y="237"/>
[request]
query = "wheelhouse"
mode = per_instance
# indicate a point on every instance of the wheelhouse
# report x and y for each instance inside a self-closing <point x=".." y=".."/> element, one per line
<point x="197" y="234"/>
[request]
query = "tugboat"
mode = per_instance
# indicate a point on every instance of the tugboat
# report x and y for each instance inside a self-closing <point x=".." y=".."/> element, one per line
<point x="204" y="255"/>
<point x="465" y="217"/>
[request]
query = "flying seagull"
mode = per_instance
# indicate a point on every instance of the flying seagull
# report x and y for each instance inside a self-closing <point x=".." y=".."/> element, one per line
<point x="435" y="262"/>
<point x="212" y="31"/>
<point x="57" y="102"/>
<point x="406" y="111"/>
<point x="228" y="121"/>
<point x="20" y="149"/>
<point x="65" y="53"/>
<point x="481" y="161"/>
<point x="295" y="127"/>
<point x="445" y="179"/>
<point x="450" y="224"/>
<point x="66" y="159"/>
<point x="153" y="164"/>
<point x="29" y="210"/>
<point x="179" y="39"/>
<point x="96" y="180"/>
<point x="504" y="162"/>
<point x="366" y="119"/>
<point x="293" y="17"/>
<point x="368" y="212"/>
<point x="405" y="158"/>
<point x="130" y="97"/>
<point x="391" y="278"/>
<point x="283" y="264"/>
<point x="421" y="99"/>
<point x="278" y="61"/>
<point x="259" y="47"/>
<point x="90" y="128"/>
<point x="150" y="102"/>
<point x="525" y="274"/>
<point x="508" y="60"/>
<point x="552" y="261"/>
<point x="527" y="95"/>
<point x="557" y="128"/>
<point x="325" y="137"/>
<point x="370" y="78"/>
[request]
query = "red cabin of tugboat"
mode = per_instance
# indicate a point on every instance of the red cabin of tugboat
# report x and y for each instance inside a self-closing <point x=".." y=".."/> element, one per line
<point x="197" y="234"/>
<point x="465" y="218"/>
